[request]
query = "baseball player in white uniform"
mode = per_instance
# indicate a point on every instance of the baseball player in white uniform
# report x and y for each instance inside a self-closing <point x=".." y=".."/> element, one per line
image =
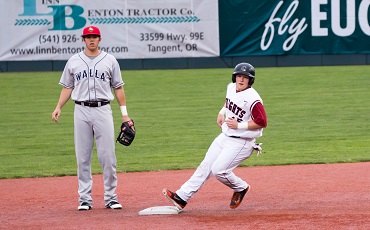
<point x="242" y="119"/>
<point x="88" y="79"/>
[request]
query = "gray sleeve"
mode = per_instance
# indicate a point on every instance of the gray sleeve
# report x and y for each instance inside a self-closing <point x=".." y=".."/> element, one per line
<point x="67" y="79"/>
<point x="116" y="75"/>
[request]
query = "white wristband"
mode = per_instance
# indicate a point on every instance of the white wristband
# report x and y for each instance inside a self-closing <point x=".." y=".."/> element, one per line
<point x="243" y="125"/>
<point x="222" y="111"/>
<point x="123" y="110"/>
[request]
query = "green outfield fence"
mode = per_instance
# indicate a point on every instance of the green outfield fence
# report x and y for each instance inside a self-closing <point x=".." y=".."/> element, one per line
<point x="195" y="63"/>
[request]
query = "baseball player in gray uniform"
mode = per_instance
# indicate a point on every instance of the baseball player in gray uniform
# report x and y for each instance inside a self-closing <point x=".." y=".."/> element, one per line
<point x="245" y="120"/>
<point x="88" y="79"/>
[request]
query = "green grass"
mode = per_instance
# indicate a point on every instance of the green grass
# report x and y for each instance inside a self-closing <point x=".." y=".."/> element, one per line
<point x="315" y="115"/>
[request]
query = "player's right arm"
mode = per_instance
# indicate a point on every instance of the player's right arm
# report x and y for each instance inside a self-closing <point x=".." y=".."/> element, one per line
<point x="221" y="116"/>
<point x="65" y="94"/>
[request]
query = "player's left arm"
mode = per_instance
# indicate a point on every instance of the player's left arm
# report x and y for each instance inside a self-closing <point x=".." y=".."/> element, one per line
<point x="121" y="98"/>
<point x="258" y="121"/>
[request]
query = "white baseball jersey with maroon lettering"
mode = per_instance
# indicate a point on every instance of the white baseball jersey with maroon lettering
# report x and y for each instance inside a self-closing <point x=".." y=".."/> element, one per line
<point x="239" y="106"/>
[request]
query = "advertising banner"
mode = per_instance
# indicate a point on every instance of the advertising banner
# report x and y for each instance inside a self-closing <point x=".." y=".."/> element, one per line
<point x="51" y="29"/>
<point x="277" y="27"/>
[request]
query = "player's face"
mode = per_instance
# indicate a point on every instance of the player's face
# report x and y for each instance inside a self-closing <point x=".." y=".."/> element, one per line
<point x="92" y="42"/>
<point x="241" y="82"/>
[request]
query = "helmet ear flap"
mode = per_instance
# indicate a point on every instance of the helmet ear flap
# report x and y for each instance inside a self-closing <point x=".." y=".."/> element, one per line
<point x="233" y="78"/>
<point x="251" y="81"/>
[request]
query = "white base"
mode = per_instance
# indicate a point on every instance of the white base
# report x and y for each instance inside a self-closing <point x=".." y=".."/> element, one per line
<point x="160" y="210"/>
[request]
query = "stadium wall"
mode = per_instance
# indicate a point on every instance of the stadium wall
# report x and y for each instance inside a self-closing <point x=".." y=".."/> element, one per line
<point x="196" y="63"/>
<point x="215" y="34"/>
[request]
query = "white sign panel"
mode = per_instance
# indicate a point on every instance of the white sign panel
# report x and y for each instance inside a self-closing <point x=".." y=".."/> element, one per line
<point x="51" y="29"/>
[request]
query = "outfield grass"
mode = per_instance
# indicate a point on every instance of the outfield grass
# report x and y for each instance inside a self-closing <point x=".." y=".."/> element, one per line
<point x="315" y="114"/>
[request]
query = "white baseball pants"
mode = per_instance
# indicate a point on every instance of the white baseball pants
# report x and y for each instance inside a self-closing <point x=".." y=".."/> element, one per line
<point x="222" y="157"/>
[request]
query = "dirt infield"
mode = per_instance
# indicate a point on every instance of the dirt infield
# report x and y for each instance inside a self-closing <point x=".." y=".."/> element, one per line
<point x="330" y="196"/>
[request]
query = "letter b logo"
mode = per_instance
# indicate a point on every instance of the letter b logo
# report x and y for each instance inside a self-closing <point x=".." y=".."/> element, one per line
<point x="59" y="15"/>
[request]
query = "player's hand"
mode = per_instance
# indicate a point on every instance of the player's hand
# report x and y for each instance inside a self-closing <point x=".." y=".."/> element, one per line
<point x="231" y="123"/>
<point x="55" y="115"/>
<point x="220" y="120"/>
<point x="125" y="118"/>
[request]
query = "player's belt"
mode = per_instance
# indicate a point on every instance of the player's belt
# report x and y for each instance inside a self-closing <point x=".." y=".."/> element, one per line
<point x="92" y="103"/>
<point x="232" y="136"/>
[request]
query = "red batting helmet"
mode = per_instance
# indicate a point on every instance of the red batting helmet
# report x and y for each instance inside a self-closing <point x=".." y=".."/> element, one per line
<point x="91" y="30"/>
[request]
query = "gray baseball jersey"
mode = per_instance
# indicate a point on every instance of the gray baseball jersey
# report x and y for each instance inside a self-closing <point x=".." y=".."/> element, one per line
<point x="92" y="79"/>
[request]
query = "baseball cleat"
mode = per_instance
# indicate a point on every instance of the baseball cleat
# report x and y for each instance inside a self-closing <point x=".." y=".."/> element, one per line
<point x="113" y="205"/>
<point x="174" y="198"/>
<point x="237" y="197"/>
<point x="84" y="206"/>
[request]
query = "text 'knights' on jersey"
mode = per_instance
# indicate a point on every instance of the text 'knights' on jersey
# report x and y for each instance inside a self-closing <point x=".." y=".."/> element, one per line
<point x="237" y="110"/>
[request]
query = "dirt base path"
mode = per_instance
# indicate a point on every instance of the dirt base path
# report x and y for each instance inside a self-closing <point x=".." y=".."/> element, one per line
<point x="327" y="196"/>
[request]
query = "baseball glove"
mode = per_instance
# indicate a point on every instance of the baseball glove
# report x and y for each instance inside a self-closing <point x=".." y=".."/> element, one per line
<point x="127" y="134"/>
